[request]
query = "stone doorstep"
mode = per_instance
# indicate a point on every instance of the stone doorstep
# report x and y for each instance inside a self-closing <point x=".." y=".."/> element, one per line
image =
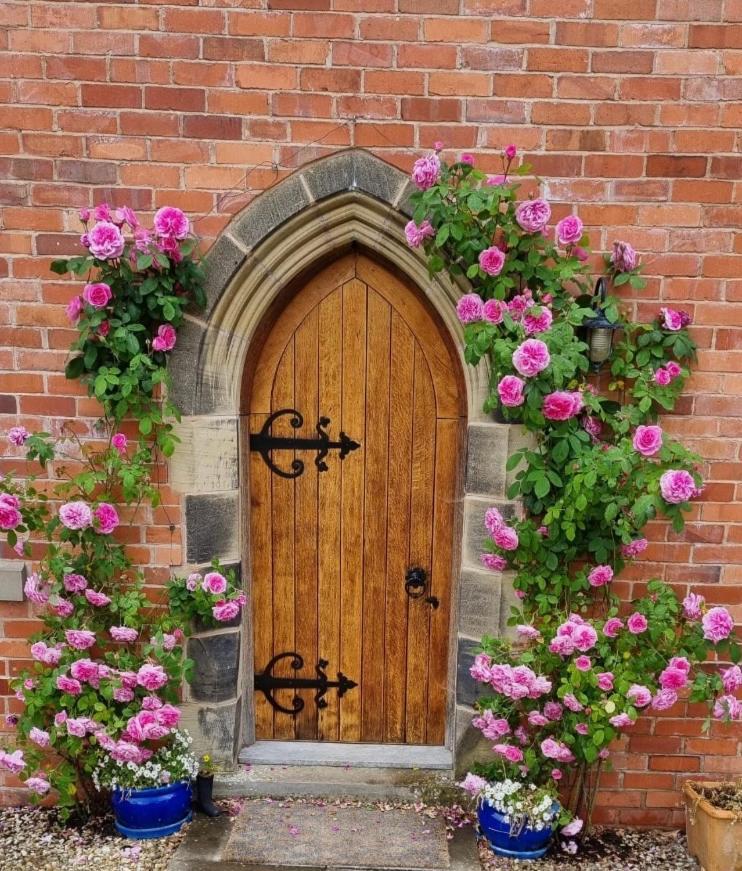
<point x="258" y="839"/>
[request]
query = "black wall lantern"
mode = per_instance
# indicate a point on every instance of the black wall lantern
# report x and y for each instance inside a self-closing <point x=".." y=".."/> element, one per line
<point x="599" y="331"/>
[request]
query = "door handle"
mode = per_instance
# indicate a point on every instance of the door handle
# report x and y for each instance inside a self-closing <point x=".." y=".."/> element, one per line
<point x="415" y="582"/>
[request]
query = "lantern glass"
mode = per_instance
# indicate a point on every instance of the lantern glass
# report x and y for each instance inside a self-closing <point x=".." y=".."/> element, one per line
<point x="600" y="341"/>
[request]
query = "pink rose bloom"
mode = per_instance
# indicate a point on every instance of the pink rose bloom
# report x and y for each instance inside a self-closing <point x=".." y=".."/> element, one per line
<point x="491" y="260"/>
<point x="556" y="750"/>
<point x="128" y="679"/>
<point x="39" y="736"/>
<point x="553" y="711"/>
<point x="151" y="703"/>
<point x="509" y="751"/>
<point x="38" y="785"/>
<point x="506" y="538"/>
<point x="510" y="391"/>
<point x="85" y="670"/>
<point x="592" y="426"/>
<point x="520" y="304"/>
<point x="104" y="328"/>
<point x="77" y="726"/>
<point x="426" y="171"/>
<point x="74" y="309"/>
<point x="612" y="626"/>
<point x="556" y="774"/>
<point x="533" y="215"/>
<point x="214" y="583"/>
<point x="494" y="310"/>
<point x="62" y="608"/>
<point x="10" y="516"/>
<point x="97" y="295"/>
<point x="536" y="718"/>
<point x="165" y="338"/>
<point x="170" y="221"/>
<point x="571" y="701"/>
<point x="80" y="639"/>
<point x="38" y="650"/>
<point x="76" y="515"/>
<point x="662" y="377"/>
<point x="17" y="435"/>
<point x="122" y="694"/>
<point x="467" y="158"/>
<point x="634" y="548"/>
<point x="677" y="485"/>
<point x="193" y="580"/>
<point x="493" y="520"/>
<point x="531" y="357"/>
<point x="731" y="678"/>
<point x="605" y="681"/>
<point x="105" y="740"/>
<point x="569" y="230"/>
<point x="75" y="583"/>
<point x="107" y="518"/>
<point x="124" y="751"/>
<point x="470" y="308"/>
<point x="105" y="241"/>
<point x="664" y="699"/>
<point x="68" y="685"/>
<point x="673" y="370"/>
<point x="621" y="721"/>
<point x="126" y="215"/>
<point x="123" y="633"/>
<point x="673" y="678"/>
<point x="494" y="562"/>
<point x="525" y="630"/>
<point x="438" y="145"/>
<point x="572" y="828"/>
<point x="168" y="715"/>
<point x="417" y="235"/>
<point x="14" y="762"/>
<point x="225" y="611"/>
<point x="600" y="576"/>
<point x="495" y="180"/>
<point x="151" y="677"/>
<point x="119" y="441"/>
<point x="717" y="624"/>
<point x="681" y="663"/>
<point x="583" y="663"/>
<point x="582" y="728"/>
<point x="491" y="727"/>
<point x="473" y="784"/>
<point x="102" y="212"/>
<point x="671" y="320"/>
<point x="624" y="258"/>
<point x="584" y="637"/>
<point x="168" y="641"/>
<point x="60" y="718"/>
<point x="647" y="440"/>
<point x="100" y="600"/>
<point x="562" y="404"/>
<point x="510" y="152"/>
<point x="538" y="323"/>
<point x="639" y="694"/>
<point x="692" y="604"/>
<point x="727" y="708"/>
<point x="637" y="623"/>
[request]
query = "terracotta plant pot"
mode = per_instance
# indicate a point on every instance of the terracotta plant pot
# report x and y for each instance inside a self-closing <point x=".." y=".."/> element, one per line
<point x="714" y="835"/>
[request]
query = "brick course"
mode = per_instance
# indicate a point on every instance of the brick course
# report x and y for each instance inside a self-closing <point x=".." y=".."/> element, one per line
<point x="630" y="110"/>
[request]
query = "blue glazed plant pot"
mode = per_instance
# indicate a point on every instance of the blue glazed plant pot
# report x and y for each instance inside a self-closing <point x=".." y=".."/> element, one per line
<point x="152" y="813"/>
<point x="528" y="844"/>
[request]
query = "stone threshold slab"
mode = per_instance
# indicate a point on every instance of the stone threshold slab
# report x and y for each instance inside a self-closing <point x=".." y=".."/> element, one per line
<point x="347" y="755"/>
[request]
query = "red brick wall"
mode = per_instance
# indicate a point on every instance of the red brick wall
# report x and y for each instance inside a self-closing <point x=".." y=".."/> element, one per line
<point x="631" y="109"/>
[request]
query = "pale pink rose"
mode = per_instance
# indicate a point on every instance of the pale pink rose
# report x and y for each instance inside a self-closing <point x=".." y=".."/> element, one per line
<point x="537" y="320"/>
<point x="126" y="215"/>
<point x="62" y="608"/>
<point x="692" y="605"/>
<point x="584" y="637"/>
<point x="100" y="600"/>
<point x="637" y="623"/>
<point x="673" y="678"/>
<point x="74" y="309"/>
<point x="80" y="639"/>
<point x="662" y="377"/>
<point x="170" y="221"/>
<point x="493" y="561"/>
<point x="168" y="641"/>
<point x="647" y="440"/>
<point x="494" y="310"/>
<point x="525" y="630"/>
<point x="533" y="215"/>
<point x="151" y="677"/>
<point x="556" y="774"/>
<point x="731" y="678"/>
<point x="621" y="721"/>
<point x="214" y="583"/>
<point x="664" y="699"/>
<point x="123" y="633"/>
<point x="122" y="694"/>
<point x="107" y="518"/>
<point x="582" y="728"/>
<point x="77" y="726"/>
<point x="68" y="685"/>
<point x="583" y="663"/>
<point x="105" y="740"/>
<point x="491" y="260"/>
<point x="151" y="703"/>
<point x="623" y="257"/>
<point x="531" y="357"/>
<point x="470" y="308"/>
<point x="124" y="751"/>
<point x="60" y="718"/>
<point x="225" y="611"/>
<point x="510" y="391"/>
<point x="572" y="828"/>
<point x="605" y="681"/>
<point x="168" y="715"/>
<point x="426" y="171"/>
<point x="553" y="711"/>
<point x="611" y="627"/>
<point x="562" y="404"/>
<point x="727" y="708"/>
<point x="553" y="749"/>
<point x="39" y="736"/>
<point x="671" y="319"/>
<point x="481" y="668"/>
<point x="509" y="751"/>
<point x="569" y="230"/>
<point x="572" y="702"/>
<point x="119" y="441"/>
<point x="495" y="180"/>
<point x="639" y="695"/>
<point x="165" y="338"/>
<point x="473" y="784"/>
<point x="17" y="435"/>
<point x="519" y="305"/>
<point x="193" y="580"/>
<point x="416" y="235"/>
<point x="634" y="548"/>
<point x="600" y="576"/>
<point x="105" y="241"/>
<point x="14" y="762"/>
<point x="38" y="785"/>
<point x="438" y="145"/>
<point x="506" y="538"/>
<point x="85" y="670"/>
<point x="38" y="650"/>
<point x="680" y="662"/>
<point x="128" y="679"/>
<point x="673" y="370"/>
<point x="536" y="718"/>
<point x="102" y="212"/>
<point x="493" y="519"/>
<point x="74" y="583"/>
<point x="169" y="245"/>
<point x="97" y="295"/>
<point x="677" y="485"/>
<point x="76" y="515"/>
<point x="717" y="624"/>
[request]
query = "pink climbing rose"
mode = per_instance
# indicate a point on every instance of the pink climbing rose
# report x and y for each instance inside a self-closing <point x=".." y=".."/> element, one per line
<point x="119" y="442"/>
<point x="605" y="681"/>
<point x="637" y="623"/>
<point x="224" y="611"/>
<point x="10" y="515"/>
<point x="75" y="583"/>
<point x="74" y="309"/>
<point x="494" y="561"/>
<point x="639" y="695"/>
<point x="80" y="639"/>
<point x="647" y="440"/>
<point x="624" y="258"/>
<point x="39" y="736"/>
<point x="671" y="319"/>
<point x="510" y="391"/>
<point x="68" y="685"/>
<point x="533" y="215"/>
<point x="600" y="576"/>
<point x="105" y="241"/>
<point x="634" y="548"/>
<point x="677" y="485"/>
<point x="470" y="308"/>
<point x="506" y="538"/>
<point x="76" y="515"/>
<point x="537" y="320"/>
<point x="97" y="295"/>
<point x="492" y="260"/>
<point x="692" y="605"/>
<point x="123" y="633"/>
<point x="569" y="230"/>
<point x="214" y="583"/>
<point x="165" y="338"/>
<point x="170" y="221"/>
<point x="100" y="600"/>
<point x="494" y="310"/>
<point x="562" y="404"/>
<point x="426" y="171"/>
<point x="416" y="235"/>
<point x="17" y="435"/>
<point x="151" y="677"/>
<point x="717" y="624"/>
<point x="106" y="517"/>
<point x="662" y="377"/>
<point x="531" y="357"/>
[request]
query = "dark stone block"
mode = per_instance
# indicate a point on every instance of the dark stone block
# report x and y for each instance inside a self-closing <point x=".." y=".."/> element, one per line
<point x="330" y="176"/>
<point x="269" y="211"/>
<point x="216" y="666"/>
<point x="184" y="367"/>
<point x="211" y="526"/>
<point x="467" y="689"/>
<point x="377" y="178"/>
<point x="221" y="728"/>
<point x="221" y="263"/>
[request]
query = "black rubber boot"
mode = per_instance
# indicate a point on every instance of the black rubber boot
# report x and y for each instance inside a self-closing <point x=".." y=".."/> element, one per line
<point x="204" y="802"/>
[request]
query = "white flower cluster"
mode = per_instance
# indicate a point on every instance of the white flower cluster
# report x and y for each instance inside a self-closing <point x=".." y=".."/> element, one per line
<point x="169" y="764"/>
<point x="522" y="805"/>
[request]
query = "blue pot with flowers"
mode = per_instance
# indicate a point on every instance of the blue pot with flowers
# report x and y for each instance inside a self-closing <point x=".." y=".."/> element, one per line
<point x="152" y="812"/>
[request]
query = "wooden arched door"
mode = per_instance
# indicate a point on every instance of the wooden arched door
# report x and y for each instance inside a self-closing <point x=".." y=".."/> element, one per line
<point x="334" y="535"/>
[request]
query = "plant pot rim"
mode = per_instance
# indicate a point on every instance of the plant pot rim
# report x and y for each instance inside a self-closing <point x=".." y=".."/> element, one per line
<point x="150" y="790"/>
<point x="695" y="798"/>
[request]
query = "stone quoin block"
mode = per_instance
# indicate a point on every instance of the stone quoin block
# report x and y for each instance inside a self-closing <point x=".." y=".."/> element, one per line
<point x="212" y="527"/>
<point x="216" y="730"/>
<point x="467" y="689"/>
<point x="216" y="666"/>
<point x="269" y="211"/>
<point x="480" y="602"/>
<point x="486" y="458"/>
<point x="185" y="383"/>
<point x="221" y="263"/>
<point x="12" y="579"/>
<point x="207" y="458"/>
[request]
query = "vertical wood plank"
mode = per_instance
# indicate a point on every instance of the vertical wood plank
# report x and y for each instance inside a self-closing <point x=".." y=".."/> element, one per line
<point x="448" y="440"/>
<point x="305" y="527"/>
<point x="261" y="547"/>
<point x="329" y="496"/>
<point x="375" y="527"/>
<point x="398" y="530"/>
<point x="421" y="540"/>
<point x="282" y="519"/>
<point x="353" y="423"/>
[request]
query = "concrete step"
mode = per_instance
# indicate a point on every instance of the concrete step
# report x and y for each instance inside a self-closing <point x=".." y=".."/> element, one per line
<point x="316" y="836"/>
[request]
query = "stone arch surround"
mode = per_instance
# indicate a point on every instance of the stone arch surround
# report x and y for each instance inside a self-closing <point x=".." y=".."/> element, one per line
<point x="309" y="218"/>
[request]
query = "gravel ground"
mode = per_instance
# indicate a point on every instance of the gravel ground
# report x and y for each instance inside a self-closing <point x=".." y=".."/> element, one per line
<point x="614" y="849"/>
